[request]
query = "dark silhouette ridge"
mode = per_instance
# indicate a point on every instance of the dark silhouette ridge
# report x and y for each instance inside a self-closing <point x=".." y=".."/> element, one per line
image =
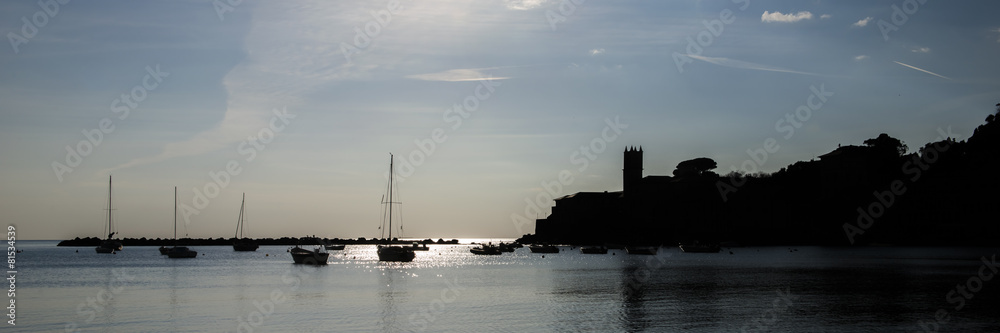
<point x="876" y="193"/>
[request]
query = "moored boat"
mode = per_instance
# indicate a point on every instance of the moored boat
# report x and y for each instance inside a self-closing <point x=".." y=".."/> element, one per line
<point x="109" y="245"/>
<point x="334" y="247"/>
<point x="241" y="243"/>
<point x="178" y="251"/>
<point x="307" y="257"/>
<point x="544" y="249"/>
<point x="486" y="250"/>
<point x="646" y="250"/>
<point x="593" y="250"/>
<point x="387" y="252"/>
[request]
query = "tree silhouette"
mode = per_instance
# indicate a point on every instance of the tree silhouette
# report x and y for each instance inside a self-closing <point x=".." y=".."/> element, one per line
<point x="695" y="167"/>
<point x="888" y="144"/>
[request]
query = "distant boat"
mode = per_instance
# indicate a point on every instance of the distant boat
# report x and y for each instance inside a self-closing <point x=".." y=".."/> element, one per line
<point x="387" y="252"/>
<point x="164" y="250"/>
<point x="700" y="247"/>
<point x="508" y="247"/>
<point x="109" y="245"/>
<point x="486" y="250"/>
<point x="303" y="256"/>
<point x="178" y="251"/>
<point x="594" y="250"/>
<point x="544" y="249"/>
<point x="243" y="244"/>
<point x="648" y="250"/>
<point x="418" y="247"/>
<point x="333" y="247"/>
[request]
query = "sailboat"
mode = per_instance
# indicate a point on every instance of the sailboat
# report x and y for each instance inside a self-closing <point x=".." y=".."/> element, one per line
<point x="178" y="251"/>
<point x="387" y="252"/>
<point x="109" y="245"/>
<point x="243" y="244"/>
<point x="303" y="256"/>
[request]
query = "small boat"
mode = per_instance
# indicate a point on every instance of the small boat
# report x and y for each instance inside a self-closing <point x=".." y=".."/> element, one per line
<point x="486" y="250"/>
<point x="178" y="251"/>
<point x="334" y="247"/>
<point x="419" y="247"/>
<point x="109" y="245"/>
<point x="544" y="249"/>
<point x="648" y="250"/>
<point x="700" y="247"/>
<point x="508" y="247"/>
<point x="240" y="243"/>
<point x="164" y="250"/>
<point x="303" y="256"/>
<point x="593" y="250"/>
<point x="387" y="252"/>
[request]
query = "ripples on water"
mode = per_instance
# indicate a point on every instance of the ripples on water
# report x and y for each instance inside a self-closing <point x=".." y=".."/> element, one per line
<point x="449" y="289"/>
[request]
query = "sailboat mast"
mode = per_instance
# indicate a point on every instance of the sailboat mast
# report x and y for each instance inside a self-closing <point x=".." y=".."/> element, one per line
<point x="175" y="215"/>
<point x="239" y="222"/>
<point x="390" y="198"/>
<point x="109" y="209"/>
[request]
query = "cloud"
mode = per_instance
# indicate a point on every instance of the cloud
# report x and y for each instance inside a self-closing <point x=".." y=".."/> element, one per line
<point x="595" y="52"/>
<point x="860" y="57"/>
<point x="456" y="75"/>
<point x="745" y="64"/>
<point x="825" y="16"/>
<point x="921" y="50"/>
<point x="523" y="4"/>
<point x="997" y="30"/>
<point x="785" y="18"/>
<point x="862" y="22"/>
<point x="923" y="70"/>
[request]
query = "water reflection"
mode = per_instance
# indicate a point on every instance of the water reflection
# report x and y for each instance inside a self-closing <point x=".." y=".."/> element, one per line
<point x="390" y="295"/>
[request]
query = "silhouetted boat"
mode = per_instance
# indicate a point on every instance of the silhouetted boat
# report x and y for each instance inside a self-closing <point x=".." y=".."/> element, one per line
<point x="544" y="249"/>
<point x="178" y="251"/>
<point x="700" y="247"/>
<point x="164" y="250"/>
<point x="486" y="250"/>
<point x="387" y="252"/>
<point x="508" y="247"/>
<point x="303" y="256"/>
<point x="641" y="249"/>
<point x="109" y="245"/>
<point x="593" y="250"/>
<point x="243" y="244"/>
<point x="334" y="247"/>
<point x="419" y="247"/>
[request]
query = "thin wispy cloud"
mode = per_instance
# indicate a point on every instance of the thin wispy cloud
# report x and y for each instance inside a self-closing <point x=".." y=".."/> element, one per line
<point x="523" y="4"/>
<point x="863" y="22"/>
<point x="745" y="65"/>
<point x="785" y="18"/>
<point x="921" y="50"/>
<point x="923" y="70"/>
<point x="997" y="30"/>
<point x="860" y="57"/>
<point x="825" y="16"/>
<point x="595" y="52"/>
<point x="457" y="75"/>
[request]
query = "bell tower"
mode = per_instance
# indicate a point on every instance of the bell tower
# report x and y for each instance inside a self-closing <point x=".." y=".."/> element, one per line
<point x="632" y="172"/>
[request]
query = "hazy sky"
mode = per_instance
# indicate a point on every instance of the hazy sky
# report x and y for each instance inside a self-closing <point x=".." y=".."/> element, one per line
<point x="507" y="91"/>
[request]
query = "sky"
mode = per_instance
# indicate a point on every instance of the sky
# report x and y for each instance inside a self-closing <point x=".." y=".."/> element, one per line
<point x="491" y="108"/>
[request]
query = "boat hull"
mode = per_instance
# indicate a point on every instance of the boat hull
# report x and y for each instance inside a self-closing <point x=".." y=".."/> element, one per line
<point x="181" y="252"/>
<point x="395" y="253"/>
<point x="334" y="247"/>
<point x="164" y="250"/>
<point x="594" y="250"/>
<point x="306" y="257"/>
<point x="245" y="246"/>
<point x="544" y="249"/>
<point x="485" y="251"/>
<point x="101" y="249"/>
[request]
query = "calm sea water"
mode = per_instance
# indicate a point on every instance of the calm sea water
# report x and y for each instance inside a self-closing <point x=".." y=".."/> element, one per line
<point x="447" y="289"/>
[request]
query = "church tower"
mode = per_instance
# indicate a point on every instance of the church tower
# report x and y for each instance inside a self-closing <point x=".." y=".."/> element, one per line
<point x="632" y="172"/>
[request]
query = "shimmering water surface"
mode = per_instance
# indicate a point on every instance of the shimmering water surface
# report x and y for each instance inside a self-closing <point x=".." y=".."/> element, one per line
<point x="447" y="289"/>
